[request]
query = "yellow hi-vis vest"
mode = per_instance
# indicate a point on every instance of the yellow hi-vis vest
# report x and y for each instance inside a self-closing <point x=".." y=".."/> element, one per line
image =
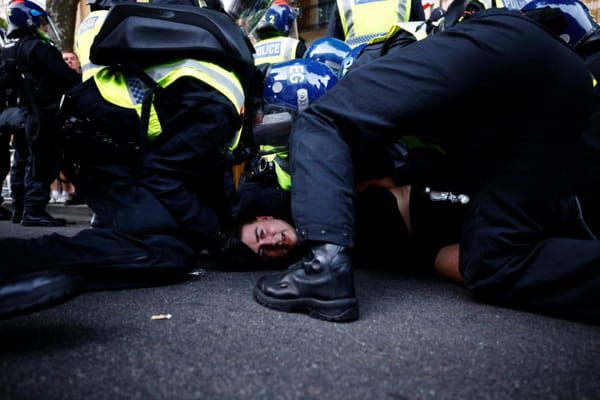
<point x="275" y="50"/>
<point x="128" y="91"/>
<point x="363" y="20"/>
<point x="88" y="29"/>
<point x="416" y="28"/>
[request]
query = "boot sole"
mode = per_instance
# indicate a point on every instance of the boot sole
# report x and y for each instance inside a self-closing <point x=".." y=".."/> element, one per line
<point x="42" y="290"/>
<point x="340" y="310"/>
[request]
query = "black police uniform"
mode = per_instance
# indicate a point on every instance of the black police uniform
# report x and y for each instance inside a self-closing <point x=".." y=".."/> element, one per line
<point x="4" y="157"/>
<point x="585" y="171"/>
<point x="509" y="99"/>
<point x="46" y="77"/>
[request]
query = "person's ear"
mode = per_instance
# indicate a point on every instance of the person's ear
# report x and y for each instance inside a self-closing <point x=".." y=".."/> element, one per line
<point x="263" y="217"/>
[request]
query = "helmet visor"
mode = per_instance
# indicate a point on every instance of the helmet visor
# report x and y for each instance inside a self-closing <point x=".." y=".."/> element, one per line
<point x="247" y="13"/>
<point x="48" y="27"/>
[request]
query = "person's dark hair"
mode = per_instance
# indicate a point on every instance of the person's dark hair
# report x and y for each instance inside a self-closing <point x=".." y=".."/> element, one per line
<point x="255" y="199"/>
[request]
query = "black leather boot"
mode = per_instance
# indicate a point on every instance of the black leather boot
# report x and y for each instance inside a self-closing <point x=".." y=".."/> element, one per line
<point x="41" y="219"/>
<point x="17" y="213"/>
<point x="321" y="285"/>
<point x="24" y="293"/>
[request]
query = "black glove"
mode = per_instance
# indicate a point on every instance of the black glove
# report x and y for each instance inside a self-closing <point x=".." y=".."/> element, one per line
<point x="12" y="120"/>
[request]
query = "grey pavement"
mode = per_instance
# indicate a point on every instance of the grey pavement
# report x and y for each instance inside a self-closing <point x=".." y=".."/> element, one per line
<point x="417" y="338"/>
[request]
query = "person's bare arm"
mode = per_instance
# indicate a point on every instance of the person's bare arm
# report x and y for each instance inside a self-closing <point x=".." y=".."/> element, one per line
<point x="446" y="263"/>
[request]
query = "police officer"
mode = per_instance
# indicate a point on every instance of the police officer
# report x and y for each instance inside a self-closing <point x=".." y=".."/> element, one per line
<point x="583" y="34"/>
<point x="275" y="33"/>
<point x="45" y="78"/>
<point x="147" y="145"/>
<point x="358" y="22"/>
<point x="4" y="143"/>
<point x="509" y="97"/>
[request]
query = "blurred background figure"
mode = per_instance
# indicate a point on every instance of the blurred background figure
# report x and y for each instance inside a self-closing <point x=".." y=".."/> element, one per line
<point x="72" y="60"/>
<point x="277" y="35"/>
<point x="358" y="22"/>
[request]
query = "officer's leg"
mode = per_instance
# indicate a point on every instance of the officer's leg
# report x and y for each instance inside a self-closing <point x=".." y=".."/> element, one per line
<point x="17" y="177"/>
<point x="585" y="169"/>
<point x="37" y="191"/>
<point x="43" y="169"/>
<point x="355" y="116"/>
<point x="39" y="271"/>
<point x="4" y="169"/>
<point x="524" y="258"/>
<point x="322" y="195"/>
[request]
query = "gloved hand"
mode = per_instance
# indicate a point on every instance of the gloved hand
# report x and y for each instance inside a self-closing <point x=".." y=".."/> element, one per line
<point x="12" y="120"/>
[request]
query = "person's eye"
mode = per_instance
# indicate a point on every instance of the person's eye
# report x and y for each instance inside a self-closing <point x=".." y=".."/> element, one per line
<point x="261" y="234"/>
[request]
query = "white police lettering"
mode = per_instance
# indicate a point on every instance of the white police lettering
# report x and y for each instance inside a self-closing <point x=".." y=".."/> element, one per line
<point x="296" y="73"/>
<point x="88" y="24"/>
<point x="268" y="50"/>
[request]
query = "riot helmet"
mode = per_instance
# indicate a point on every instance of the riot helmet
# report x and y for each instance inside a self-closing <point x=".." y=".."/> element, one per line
<point x="579" y="21"/>
<point x="292" y="85"/>
<point x="328" y="51"/>
<point x="30" y="15"/>
<point x="278" y="20"/>
<point x="26" y="14"/>
<point x="436" y="14"/>
<point x="349" y="60"/>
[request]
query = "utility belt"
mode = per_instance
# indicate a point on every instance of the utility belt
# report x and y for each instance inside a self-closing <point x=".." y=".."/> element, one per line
<point x="86" y="145"/>
<point x="270" y="170"/>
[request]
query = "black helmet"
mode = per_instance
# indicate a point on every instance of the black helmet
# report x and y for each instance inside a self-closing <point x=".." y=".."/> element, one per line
<point x="461" y="9"/>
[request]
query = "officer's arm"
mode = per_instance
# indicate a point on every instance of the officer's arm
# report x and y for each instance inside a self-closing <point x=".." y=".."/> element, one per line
<point x="56" y="68"/>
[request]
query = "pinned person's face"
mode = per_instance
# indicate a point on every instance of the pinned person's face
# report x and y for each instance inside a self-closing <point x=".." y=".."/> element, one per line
<point x="269" y="238"/>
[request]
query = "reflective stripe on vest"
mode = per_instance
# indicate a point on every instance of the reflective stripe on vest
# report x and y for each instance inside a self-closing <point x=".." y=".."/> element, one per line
<point x="128" y="91"/>
<point x="363" y="20"/>
<point x="416" y="28"/>
<point x="88" y="29"/>
<point x="275" y="50"/>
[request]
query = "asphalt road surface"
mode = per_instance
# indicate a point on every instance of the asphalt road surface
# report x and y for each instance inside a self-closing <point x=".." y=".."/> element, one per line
<point x="417" y="338"/>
